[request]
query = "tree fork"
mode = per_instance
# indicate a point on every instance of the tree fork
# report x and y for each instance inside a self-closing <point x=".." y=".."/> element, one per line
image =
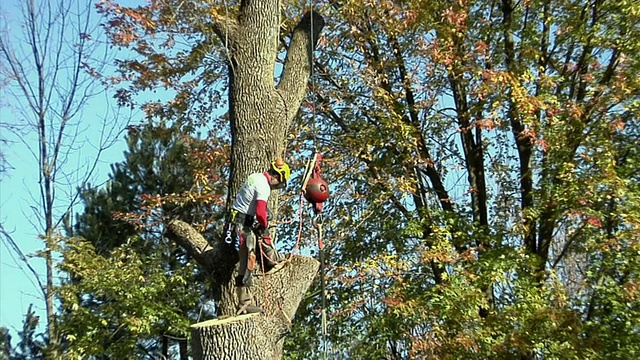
<point x="260" y="116"/>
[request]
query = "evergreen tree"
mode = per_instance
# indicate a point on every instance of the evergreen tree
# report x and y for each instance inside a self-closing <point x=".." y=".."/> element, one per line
<point x="134" y="290"/>
<point x="32" y="345"/>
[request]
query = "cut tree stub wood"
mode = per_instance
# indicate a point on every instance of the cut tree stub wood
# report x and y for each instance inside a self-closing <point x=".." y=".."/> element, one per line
<point x="251" y="336"/>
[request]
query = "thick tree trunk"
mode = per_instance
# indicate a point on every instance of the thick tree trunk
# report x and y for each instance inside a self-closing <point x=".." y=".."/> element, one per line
<point x="260" y="115"/>
<point x="216" y="340"/>
<point x="278" y="292"/>
<point x="258" y="336"/>
<point x="261" y="112"/>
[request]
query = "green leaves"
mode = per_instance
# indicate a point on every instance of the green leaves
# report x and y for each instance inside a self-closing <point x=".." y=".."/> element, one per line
<point x="128" y="289"/>
<point x="483" y="165"/>
<point x="117" y="300"/>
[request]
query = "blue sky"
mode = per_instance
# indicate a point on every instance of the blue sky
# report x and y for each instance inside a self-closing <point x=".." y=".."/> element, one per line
<point x="19" y="188"/>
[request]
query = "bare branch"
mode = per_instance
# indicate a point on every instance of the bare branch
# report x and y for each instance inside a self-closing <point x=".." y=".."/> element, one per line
<point x="11" y="244"/>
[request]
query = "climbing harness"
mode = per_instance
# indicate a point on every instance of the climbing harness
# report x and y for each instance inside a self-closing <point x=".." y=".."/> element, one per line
<point x="230" y="233"/>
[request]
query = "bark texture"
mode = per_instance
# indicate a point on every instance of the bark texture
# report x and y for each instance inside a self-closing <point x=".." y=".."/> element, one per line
<point x="262" y="107"/>
<point x="261" y="110"/>
<point x="258" y="336"/>
<point x="278" y="292"/>
<point x="215" y="339"/>
<point x="261" y="113"/>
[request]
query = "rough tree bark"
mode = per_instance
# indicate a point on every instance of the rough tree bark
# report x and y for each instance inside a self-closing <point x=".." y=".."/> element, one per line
<point x="261" y="113"/>
<point x="258" y="336"/>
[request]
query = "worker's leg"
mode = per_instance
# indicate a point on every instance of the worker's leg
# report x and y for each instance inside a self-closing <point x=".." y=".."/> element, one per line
<point x="249" y="255"/>
<point x="245" y="272"/>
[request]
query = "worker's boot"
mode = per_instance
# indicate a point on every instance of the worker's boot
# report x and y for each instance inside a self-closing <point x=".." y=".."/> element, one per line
<point x="244" y="301"/>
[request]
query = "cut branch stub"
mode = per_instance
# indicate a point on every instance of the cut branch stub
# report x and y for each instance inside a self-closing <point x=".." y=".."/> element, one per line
<point x="216" y="259"/>
<point x="280" y="290"/>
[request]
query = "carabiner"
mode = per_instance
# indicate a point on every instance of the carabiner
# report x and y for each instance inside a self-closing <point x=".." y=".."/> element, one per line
<point x="317" y="221"/>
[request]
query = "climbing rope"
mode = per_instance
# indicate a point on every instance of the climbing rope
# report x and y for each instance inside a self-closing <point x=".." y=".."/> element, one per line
<point x="313" y="172"/>
<point x="316" y="191"/>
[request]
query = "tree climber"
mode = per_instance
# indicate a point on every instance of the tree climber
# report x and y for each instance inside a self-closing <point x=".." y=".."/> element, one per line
<point x="251" y="205"/>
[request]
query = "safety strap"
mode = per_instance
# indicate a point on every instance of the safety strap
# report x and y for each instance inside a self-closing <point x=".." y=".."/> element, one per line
<point x="230" y="226"/>
<point x="309" y="170"/>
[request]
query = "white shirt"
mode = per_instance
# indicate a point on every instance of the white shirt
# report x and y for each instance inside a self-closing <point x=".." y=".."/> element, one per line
<point x="255" y="188"/>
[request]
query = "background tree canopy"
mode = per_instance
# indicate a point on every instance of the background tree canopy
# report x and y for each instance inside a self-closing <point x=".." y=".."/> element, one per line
<point x="483" y="163"/>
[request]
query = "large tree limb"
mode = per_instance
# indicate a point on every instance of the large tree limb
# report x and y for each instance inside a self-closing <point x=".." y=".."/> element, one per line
<point x="297" y="69"/>
<point x="277" y="292"/>
<point x="280" y="290"/>
<point x="196" y="245"/>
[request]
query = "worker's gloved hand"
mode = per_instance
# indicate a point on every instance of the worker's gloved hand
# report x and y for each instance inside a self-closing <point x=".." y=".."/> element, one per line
<point x="261" y="230"/>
